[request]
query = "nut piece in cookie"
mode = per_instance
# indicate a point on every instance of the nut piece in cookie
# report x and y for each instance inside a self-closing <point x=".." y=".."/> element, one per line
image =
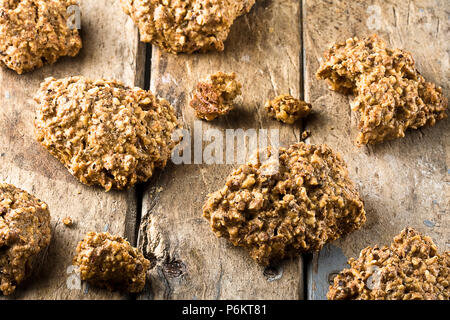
<point x="390" y="94"/>
<point x="287" y="109"/>
<point x="185" y="26"/>
<point x="308" y="202"/>
<point x="110" y="262"/>
<point x="24" y="234"/>
<point x="105" y="133"/>
<point x="36" y="32"/>
<point x="214" y="96"/>
<point x="410" y="269"/>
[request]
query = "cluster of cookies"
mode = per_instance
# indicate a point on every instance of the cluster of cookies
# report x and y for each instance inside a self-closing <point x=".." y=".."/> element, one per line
<point x="114" y="136"/>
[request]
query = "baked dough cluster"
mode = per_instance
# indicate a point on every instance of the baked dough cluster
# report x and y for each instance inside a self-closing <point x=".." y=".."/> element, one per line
<point x="185" y="25"/>
<point x="105" y="133"/>
<point x="110" y="262"/>
<point x="214" y="96"/>
<point x="390" y="94"/>
<point x="287" y="109"/>
<point x="308" y="201"/>
<point x="410" y="269"/>
<point x="36" y="32"/>
<point x="24" y="233"/>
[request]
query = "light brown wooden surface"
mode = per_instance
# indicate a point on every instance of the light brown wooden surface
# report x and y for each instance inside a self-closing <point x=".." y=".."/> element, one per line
<point x="403" y="182"/>
<point x="110" y="50"/>
<point x="191" y="263"/>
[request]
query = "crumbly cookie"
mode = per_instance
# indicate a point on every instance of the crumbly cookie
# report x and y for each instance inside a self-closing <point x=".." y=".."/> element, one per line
<point x="105" y="133"/>
<point x="308" y="201"/>
<point x="185" y="26"/>
<point x="410" y="269"/>
<point x="24" y="234"/>
<point x="36" y="32"/>
<point x="391" y="95"/>
<point x="287" y="109"/>
<point x="110" y="262"/>
<point x="214" y="96"/>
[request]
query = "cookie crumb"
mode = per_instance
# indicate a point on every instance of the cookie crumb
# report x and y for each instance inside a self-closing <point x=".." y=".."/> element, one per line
<point x="214" y="96"/>
<point x="305" y="135"/>
<point x="287" y="109"/>
<point x="67" y="221"/>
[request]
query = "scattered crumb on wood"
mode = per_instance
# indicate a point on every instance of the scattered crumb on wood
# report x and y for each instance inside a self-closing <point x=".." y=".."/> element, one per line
<point x="68" y="222"/>
<point x="305" y="134"/>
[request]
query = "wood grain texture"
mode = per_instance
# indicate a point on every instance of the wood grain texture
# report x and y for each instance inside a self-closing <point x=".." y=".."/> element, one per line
<point x="110" y="50"/>
<point x="403" y="182"/>
<point x="189" y="261"/>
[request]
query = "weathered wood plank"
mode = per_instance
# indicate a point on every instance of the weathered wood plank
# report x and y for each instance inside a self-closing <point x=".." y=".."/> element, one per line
<point x="190" y="263"/>
<point x="403" y="182"/>
<point x="110" y="49"/>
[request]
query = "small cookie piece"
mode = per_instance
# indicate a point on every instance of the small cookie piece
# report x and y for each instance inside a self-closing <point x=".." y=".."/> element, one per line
<point x="105" y="133"/>
<point x="391" y="95"/>
<point x="308" y="202"/>
<point x="110" y="262"/>
<point x="214" y="96"/>
<point x="24" y="234"/>
<point x="36" y="32"/>
<point x="410" y="269"/>
<point x="305" y="135"/>
<point x="185" y="26"/>
<point x="287" y="109"/>
<point x="68" y="222"/>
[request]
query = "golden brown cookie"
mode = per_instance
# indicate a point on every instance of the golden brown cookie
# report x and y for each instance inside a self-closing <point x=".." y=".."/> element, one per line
<point x="287" y="109"/>
<point x="185" y="25"/>
<point x="410" y="269"/>
<point x="304" y="204"/>
<point x="214" y="96"/>
<point x="105" y="133"/>
<point x="390" y="94"/>
<point x="110" y="262"/>
<point x="36" y="32"/>
<point x="24" y="234"/>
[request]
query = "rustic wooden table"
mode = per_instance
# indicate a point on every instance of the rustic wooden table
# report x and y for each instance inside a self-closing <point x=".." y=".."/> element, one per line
<point x="275" y="49"/>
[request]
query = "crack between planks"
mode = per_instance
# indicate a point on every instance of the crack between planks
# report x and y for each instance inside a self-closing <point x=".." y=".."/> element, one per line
<point x="142" y="79"/>
<point x="303" y="291"/>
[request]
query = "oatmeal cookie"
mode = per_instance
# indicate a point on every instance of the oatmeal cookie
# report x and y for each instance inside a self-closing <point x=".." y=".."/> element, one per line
<point x="36" y="32"/>
<point x="24" y="234"/>
<point x="390" y="94"/>
<point x="110" y="262"/>
<point x="410" y="269"/>
<point x="185" y="26"/>
<point x="287" y="109"/>
<point x="214" y="96"/>
<point x="105" y="133"/>
<point x="304" y="204"/>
